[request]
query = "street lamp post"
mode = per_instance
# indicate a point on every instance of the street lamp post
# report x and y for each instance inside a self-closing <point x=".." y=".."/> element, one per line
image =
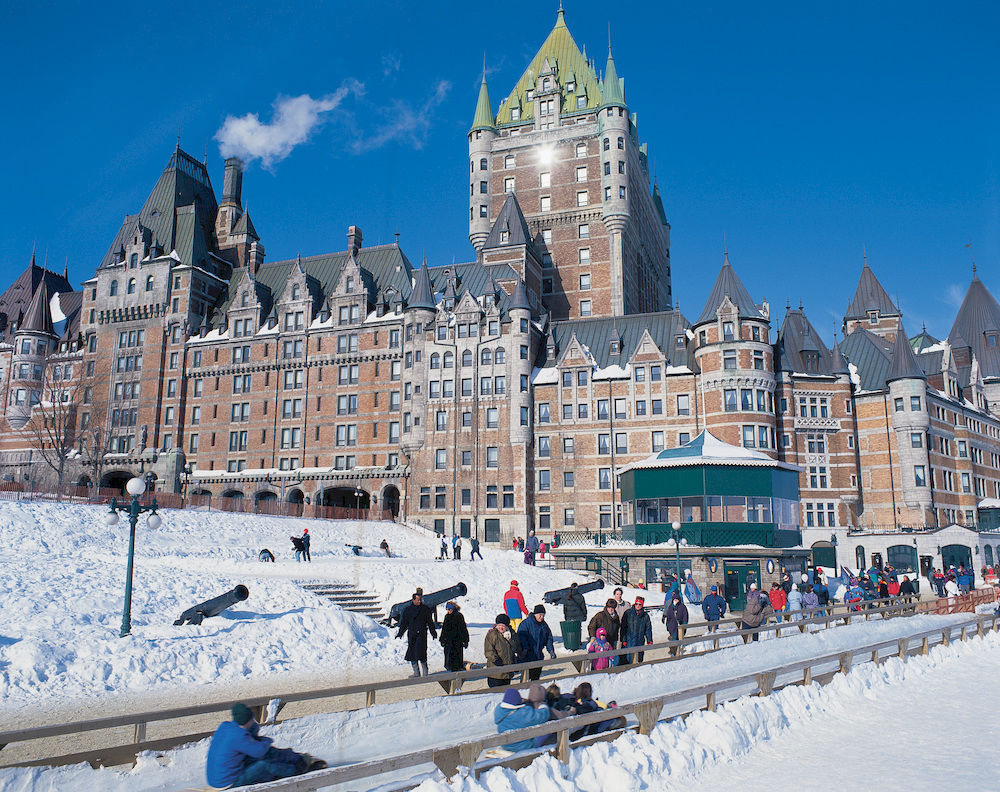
<point x="358" y="492"/>
<point x="135" y="487"/>
<point x="676" y="527"/>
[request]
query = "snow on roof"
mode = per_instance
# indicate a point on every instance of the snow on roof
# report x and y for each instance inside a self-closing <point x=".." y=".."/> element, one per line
<point x="545" y="376"/>
<point x="706" y="449"/>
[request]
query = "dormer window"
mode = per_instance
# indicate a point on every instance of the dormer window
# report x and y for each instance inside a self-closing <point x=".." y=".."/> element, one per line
<point x="991" y="339"/>
<point x="546" y="84"/>
<point x="531" y="95"/>
<point x="113" y="291"/>
<point x="679" y="341"/>
<point x="245" y="300"/>
<point x="615" y="347"/>
<point x="504" y="236"/>
<point x="812" y="361"/>
<point x="515" y="115"/>
<point x="350" y="284"/>
<point x="581" y="101"/>
<point x="571" y="86"/>
<point x="727" y="331"/>
<point x="873" y="317"/>
<point x="133" y="261"/>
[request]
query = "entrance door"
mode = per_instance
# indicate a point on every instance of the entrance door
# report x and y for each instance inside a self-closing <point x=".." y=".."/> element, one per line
<point x="877" y="560"/>
<point x="925" y="565"/>
<point x="738" y="577"/>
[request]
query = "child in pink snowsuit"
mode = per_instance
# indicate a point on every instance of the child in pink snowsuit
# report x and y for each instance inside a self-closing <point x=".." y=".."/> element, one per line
<point x="600" y="644"/>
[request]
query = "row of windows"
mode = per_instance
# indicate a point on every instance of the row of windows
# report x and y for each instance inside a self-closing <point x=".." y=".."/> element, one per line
<point x="465" y="497"/>
<point x="569" y="479"/>
<point x="130" y="287"/>
<point x="764" y="401"/>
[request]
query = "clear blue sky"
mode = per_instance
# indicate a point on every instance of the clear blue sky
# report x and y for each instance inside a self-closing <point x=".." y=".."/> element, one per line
<point x="802" y="131"/>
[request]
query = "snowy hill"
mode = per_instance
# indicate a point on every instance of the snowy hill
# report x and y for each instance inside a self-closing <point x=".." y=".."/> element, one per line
<point x="63" y="588"/>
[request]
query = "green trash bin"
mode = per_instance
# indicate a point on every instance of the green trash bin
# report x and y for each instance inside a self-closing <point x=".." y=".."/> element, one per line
<point x="571" y="634"/>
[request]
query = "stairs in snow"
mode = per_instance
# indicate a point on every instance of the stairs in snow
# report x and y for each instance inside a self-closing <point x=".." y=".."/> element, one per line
<point x="349" y="598"/>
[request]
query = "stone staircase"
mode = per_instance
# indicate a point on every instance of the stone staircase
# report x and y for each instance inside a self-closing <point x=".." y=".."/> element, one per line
<point x="349" y="598"/>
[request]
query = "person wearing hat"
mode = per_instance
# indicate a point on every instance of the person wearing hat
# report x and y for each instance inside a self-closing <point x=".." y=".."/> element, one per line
<point x="636" y="629"/>
<point x="238" y="755"/>
<point x="536" y="637"/>
<point x="607" y="620"/>
<point x="714" y="608"/>
<point x="416" y="620"/>
<point x="454" y="637"/>
<point x="501" y="647"/>
<point x="513" y="604"/>
<point x="755" y="613"/>
<point x="515" y="713"/>
<point x="306" y="539"/>
<point x="675" y="615"/>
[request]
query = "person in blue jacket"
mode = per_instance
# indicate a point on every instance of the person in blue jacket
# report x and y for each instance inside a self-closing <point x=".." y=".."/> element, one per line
<point x="535" y="636"/>
<point x="238" y="755"/>
<point x="514" y="713"/>
<point x="714" y="608"/>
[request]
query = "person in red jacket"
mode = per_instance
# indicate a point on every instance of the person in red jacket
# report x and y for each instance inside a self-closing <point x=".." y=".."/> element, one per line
<point x="778" y="599"/>
<point x="513" y="604"/>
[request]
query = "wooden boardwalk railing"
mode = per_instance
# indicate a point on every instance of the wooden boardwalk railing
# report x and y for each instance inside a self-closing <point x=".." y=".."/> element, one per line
<point x="647" y="712"/>
<point x="451" y="682"/>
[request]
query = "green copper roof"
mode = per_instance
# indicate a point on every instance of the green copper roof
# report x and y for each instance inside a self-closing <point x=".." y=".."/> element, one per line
<point x="565" y="57"/>
<point x="484" y="111"/>
<point x="612" y="88"/>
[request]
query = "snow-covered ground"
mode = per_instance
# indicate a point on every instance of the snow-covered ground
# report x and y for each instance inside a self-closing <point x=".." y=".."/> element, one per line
<point x="63" y="582"/>
<point x="674" y="750"/>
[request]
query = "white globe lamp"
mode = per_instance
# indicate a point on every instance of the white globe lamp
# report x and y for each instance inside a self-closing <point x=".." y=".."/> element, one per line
<point x="135" y="487"/>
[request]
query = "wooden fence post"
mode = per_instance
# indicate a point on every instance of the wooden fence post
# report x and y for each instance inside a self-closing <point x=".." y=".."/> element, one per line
<point x="370" y="698"/>
<point x="710" y="701"/>
<point x="846" y="658"/>
<point x="140" y="732"/>
<point x="765" y="682"/>
<point x="648" y="713"/>
<point x="924" y="646"/>
<point x="945" y="637"/>
<point x="902" y="643"/>
<point x="807" y="675"/>
<point x="562" y="746"/>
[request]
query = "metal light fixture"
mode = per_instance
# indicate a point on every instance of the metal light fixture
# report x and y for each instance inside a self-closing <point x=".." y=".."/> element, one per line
<point x="135" y="487"/>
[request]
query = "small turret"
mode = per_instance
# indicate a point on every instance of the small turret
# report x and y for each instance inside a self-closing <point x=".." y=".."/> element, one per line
<point x="481" y="137"/>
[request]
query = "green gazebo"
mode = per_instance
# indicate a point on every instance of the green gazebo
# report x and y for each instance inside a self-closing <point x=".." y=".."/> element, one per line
<point x="722" y="496"/>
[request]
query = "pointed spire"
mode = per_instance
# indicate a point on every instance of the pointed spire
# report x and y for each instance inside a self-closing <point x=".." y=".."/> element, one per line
<point x="728" y="284"/>
<point x="510" y="221"/>
<point x="838" y="365"/>
<point x="483" y="118"/>
<point x="612" y="94"/>
<point x="560" y="16"/>
<point x="66" y="269"/>
<point x="422" y="295"/>
<point x="870" y="296"/>
<point x="904" y="363"/>
<point x="519" y="300"/>
<point x="33" y="246"/>
<point x="38" y="318"/>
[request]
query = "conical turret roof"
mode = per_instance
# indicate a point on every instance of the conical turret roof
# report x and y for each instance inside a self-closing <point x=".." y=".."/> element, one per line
<point x="728" y="284"/>
<point x="904" y="363"/>
<point x="38" y="317"/>
<point x="870" y="296"/>
<point x="978" y="318"/>
<point x="612" y="92"/>
<point x="422" y="295"/>
<point x="519" y="300"/>
<point x="510" y="221"/>
<point x="484" y="110"/>
<point x="245" y="226"/>
<point x="838" y="365"/>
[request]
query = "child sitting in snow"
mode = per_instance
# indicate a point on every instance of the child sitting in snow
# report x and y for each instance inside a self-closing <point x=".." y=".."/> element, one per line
<point x="600" y="643"/>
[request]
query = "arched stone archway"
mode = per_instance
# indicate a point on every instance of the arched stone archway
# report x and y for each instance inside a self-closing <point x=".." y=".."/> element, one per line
<point x="235" y="494"/>
<point x="83" y="481"/>
<point x="295" y="496"/>
<point x="390" y="500"/>
<point x="345" y="497"/>
<point x="116" y="480"/>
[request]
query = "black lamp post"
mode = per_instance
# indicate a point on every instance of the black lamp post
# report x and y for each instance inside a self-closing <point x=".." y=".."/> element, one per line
<point x="358" y="492"/>
<point x="675" y="527"/>
<point x="135" y="487"/>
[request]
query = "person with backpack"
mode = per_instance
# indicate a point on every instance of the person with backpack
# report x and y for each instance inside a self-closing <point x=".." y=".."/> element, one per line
<point x="755" y="612"/>
<point x="513" y="605"/>
<point x="299" y="547"/>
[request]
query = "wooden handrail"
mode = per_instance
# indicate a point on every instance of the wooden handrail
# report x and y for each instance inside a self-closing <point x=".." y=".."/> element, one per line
<point x="647" y="711"/>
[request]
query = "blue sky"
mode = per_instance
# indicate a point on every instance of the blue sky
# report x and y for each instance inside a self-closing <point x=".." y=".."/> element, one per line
<point x="802" y="131"/>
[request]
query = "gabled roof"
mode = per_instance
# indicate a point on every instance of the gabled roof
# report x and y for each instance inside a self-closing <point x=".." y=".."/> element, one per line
<point x="870" y="296"/>
<point x="245" y="226"/>
<point x="728" y="284"/>
<point x="483" y="119"/>
<point x="510" y="221"/>
<point x="870" y="355"/>
<point x="183" y="182"/>
<point x="904" y="362"/>
<point x="596" y="335"/>
<point x="796" y="338"/>
<point x="978" y="316"/>
<point x="422" y="295"/>
<point x="38" y="317"/>
<point x="473" y="279"/>
<point x="566" y="58"/>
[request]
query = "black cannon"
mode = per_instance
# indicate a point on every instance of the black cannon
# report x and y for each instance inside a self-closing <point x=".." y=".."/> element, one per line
<point x="555" y="597"/>
<point x="431" y="600"/>
<point x="213" y="607"/>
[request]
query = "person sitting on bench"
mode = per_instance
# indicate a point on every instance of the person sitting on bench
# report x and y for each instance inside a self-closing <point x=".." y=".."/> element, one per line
<point x="238" y="755"/>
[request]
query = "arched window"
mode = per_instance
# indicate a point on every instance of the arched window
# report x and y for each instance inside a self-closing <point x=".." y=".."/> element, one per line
<point x="131" y="286"/>
<point x="133" y="261"/>
<point x="114" y="288"/>
<point x="467" y="357"/>
<point x="483" y="164"/>
<point x="508" y="161"/>
<point x="903" y="558"/>
<point x="149" y="283"/>
<point x="498" y="355"/>
<point x="449" y="360"/>
<point x="859" y="557"/>
<point x="546" y="84"/>
<point x="435" y="361"/>
<point x="486" y="358"/>
<point x="988" y="555"/>
<point x="295" y="291"/>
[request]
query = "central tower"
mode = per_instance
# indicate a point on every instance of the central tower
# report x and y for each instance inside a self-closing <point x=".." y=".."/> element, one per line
<point x="566" y="145"/>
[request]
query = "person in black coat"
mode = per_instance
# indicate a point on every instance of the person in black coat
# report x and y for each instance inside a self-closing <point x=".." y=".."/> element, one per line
<point x="675" y="615"/>
<point x="906" y="589"/>
<point x="573" y="604"/>
<point x="454" y="638"/>
<point x="416" y="621"/>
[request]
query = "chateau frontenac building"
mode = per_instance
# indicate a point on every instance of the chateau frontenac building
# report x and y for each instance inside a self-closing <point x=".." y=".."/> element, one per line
<point x="494" y="396"/>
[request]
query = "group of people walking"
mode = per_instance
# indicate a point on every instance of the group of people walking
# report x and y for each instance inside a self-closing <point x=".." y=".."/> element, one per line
<point x="456" y="548"/>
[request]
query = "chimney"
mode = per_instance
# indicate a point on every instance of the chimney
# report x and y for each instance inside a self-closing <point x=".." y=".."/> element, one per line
<point x="232" y="183"/>
<point x="353" y="239"/>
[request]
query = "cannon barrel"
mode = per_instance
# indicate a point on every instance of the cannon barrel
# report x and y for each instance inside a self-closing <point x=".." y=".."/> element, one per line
<point x="431" y="600"/>
<point x="557" y="596"/>
<point x="215" y="606"/>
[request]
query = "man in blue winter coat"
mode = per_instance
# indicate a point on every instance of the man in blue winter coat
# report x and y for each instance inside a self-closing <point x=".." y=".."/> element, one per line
<point x="636" y="630"/>
<point x="535" y="637"/>
<point x="238" y="755"/>
<point x="714" y="608"/>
